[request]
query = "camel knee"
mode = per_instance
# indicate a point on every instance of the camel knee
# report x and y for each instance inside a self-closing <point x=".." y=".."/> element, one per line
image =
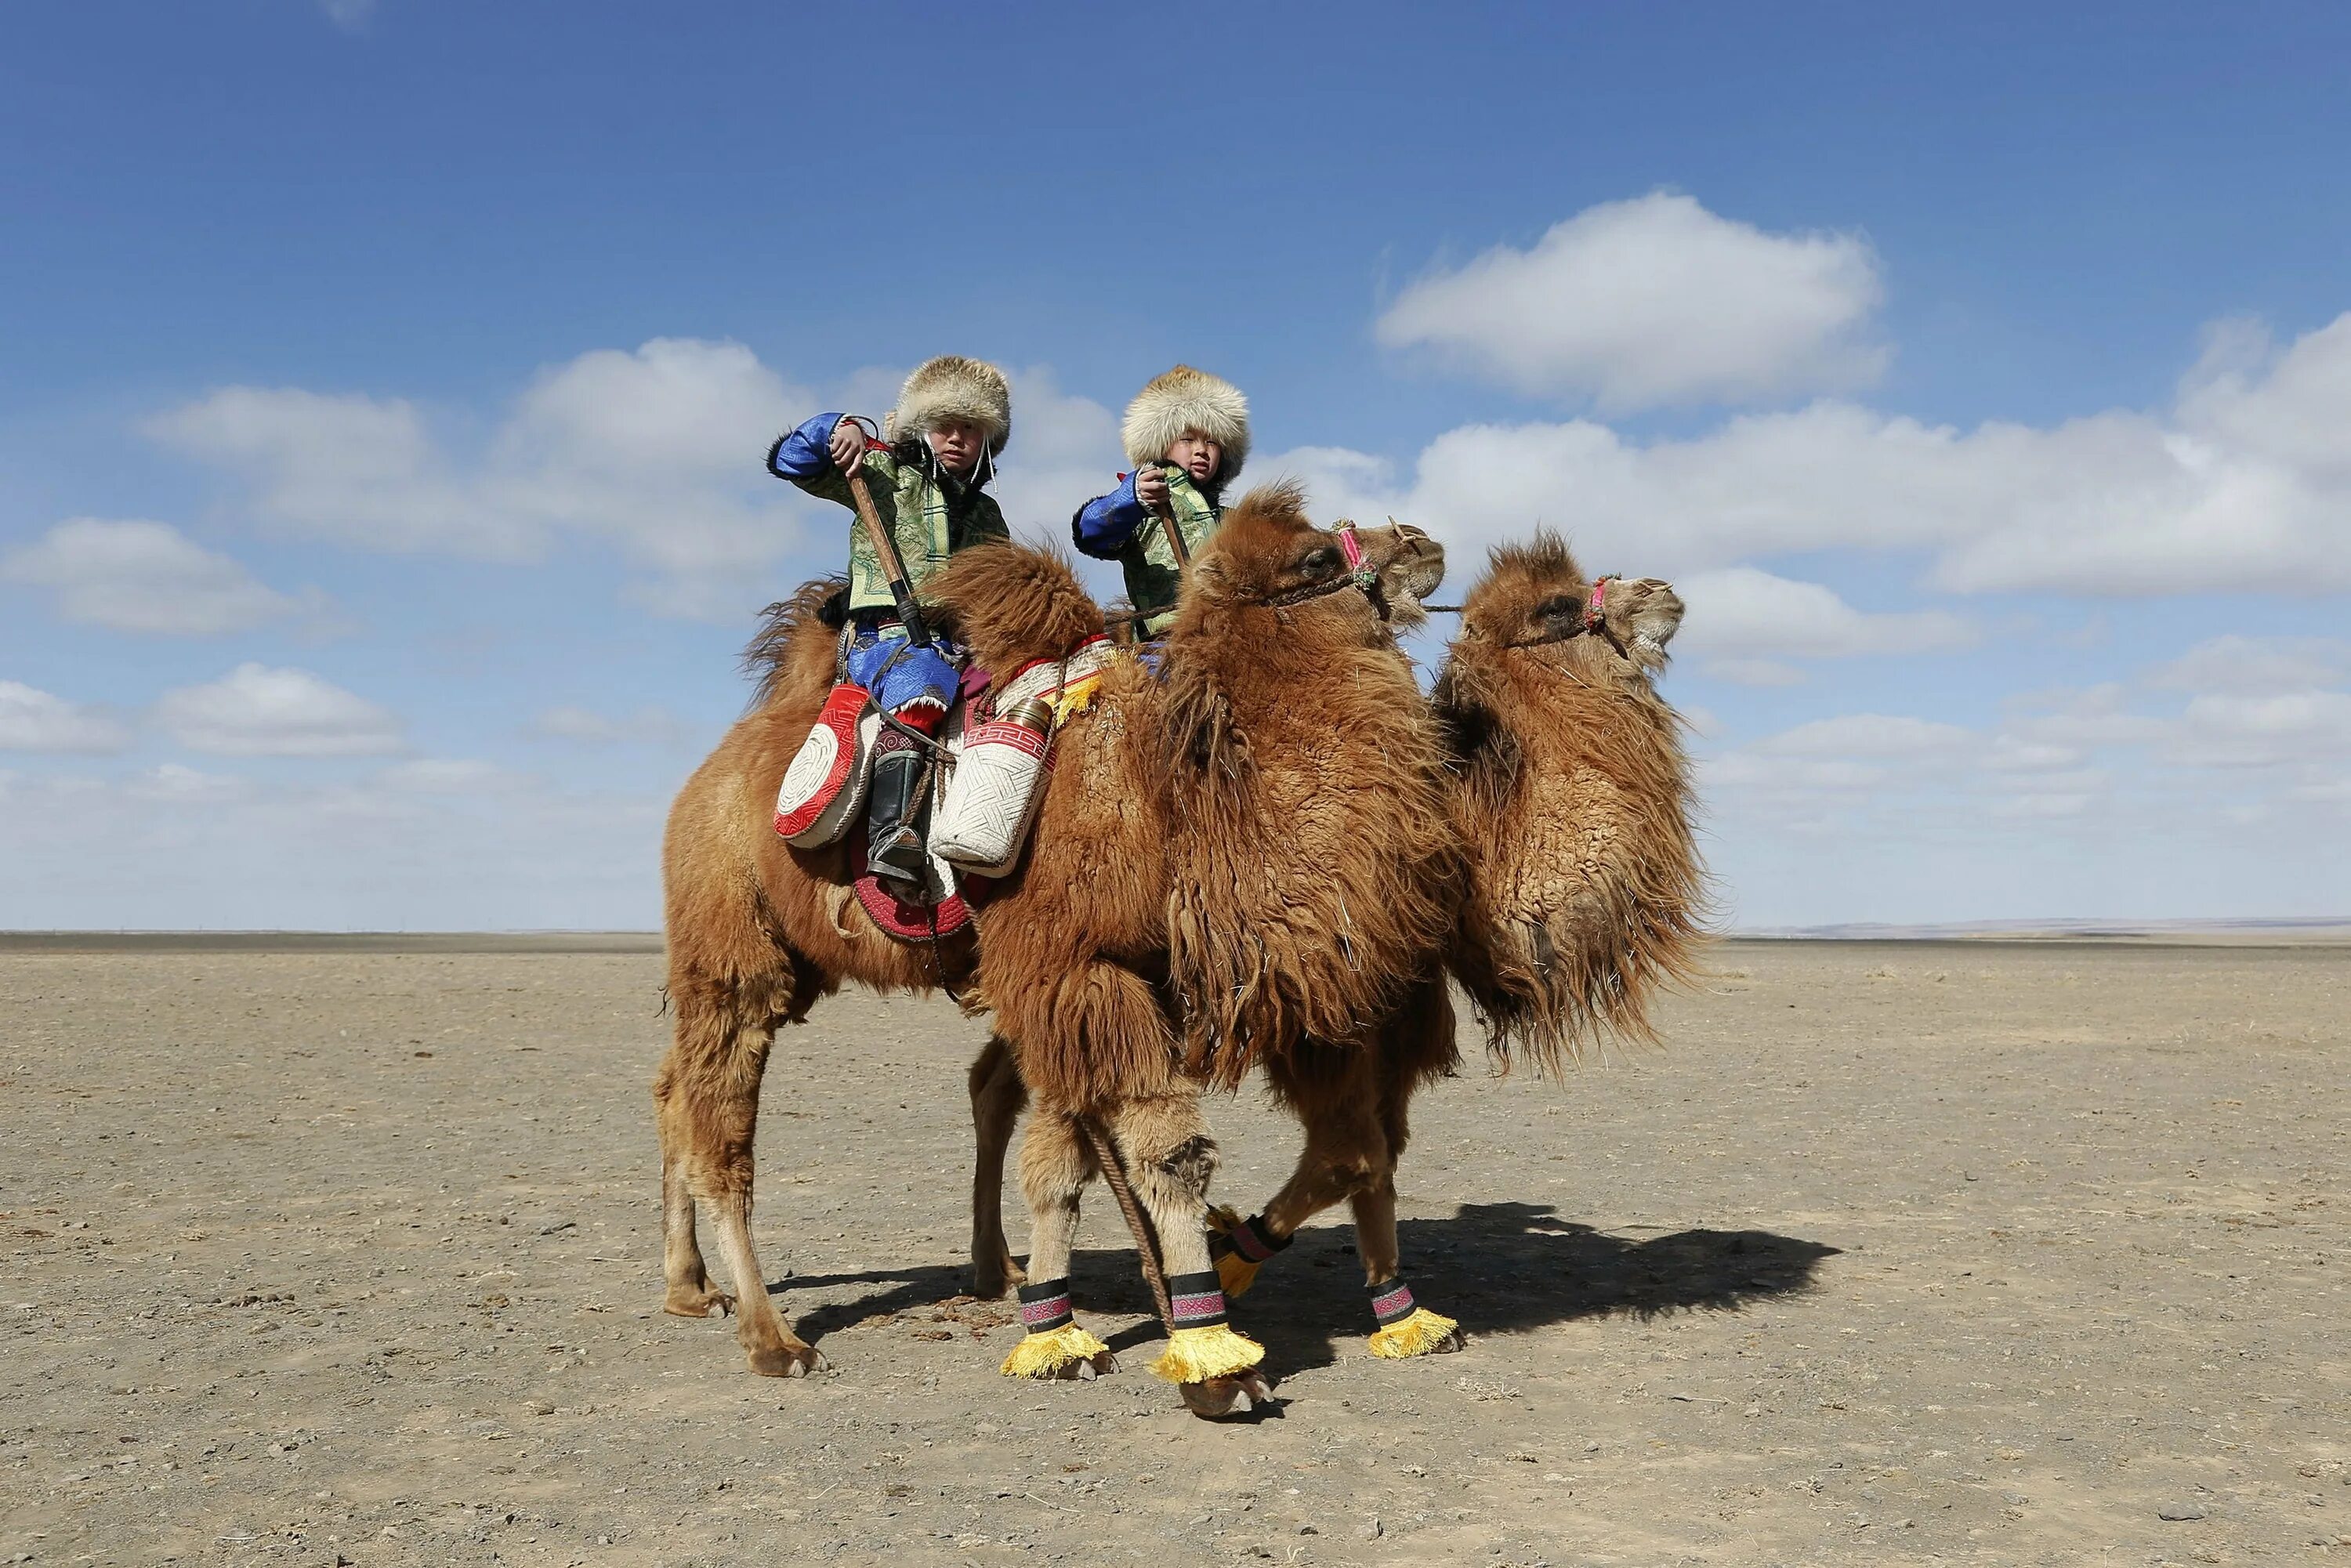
<point x="1191" y="1164"/>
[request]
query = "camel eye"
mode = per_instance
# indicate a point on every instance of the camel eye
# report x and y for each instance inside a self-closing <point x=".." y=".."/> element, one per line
<point x="1559" y="607"/>
<point x="1321" y="559"/>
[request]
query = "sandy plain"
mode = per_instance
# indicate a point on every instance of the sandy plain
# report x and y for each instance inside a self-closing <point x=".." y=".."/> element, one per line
<point x="1966" y="1252"/>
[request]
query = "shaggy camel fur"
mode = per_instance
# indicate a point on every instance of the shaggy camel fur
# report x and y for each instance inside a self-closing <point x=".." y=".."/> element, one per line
<point x="1263" y="874"/>
<point x="1571" y="801"/>
<point x="758" y="931"/>
<point x="1586" y="893"/>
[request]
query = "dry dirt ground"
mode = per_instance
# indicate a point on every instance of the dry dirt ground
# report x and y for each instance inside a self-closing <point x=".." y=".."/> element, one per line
<point x="1967" y="1252"/>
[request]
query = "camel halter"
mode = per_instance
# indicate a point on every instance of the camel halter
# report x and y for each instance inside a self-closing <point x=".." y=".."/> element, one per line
<point x="1592" y="622"/>
<point x="1359" y="574"/>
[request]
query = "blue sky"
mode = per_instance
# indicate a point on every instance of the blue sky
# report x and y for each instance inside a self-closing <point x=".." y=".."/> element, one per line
<point x="381" y="389"/>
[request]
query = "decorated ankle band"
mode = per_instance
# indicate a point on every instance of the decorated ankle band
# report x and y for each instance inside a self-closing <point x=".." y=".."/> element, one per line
<point x="1407" y="1328"/>
<point x="1046" y="1307"/>
<point x="1200" y="1344"/>
<point x="1237" y="1246"/>
<point x="1195" y="1300"/>
<point x="1054" y="1342"/>
<point x="1391" y="1302"/>
<point x="1248" y="1240"/>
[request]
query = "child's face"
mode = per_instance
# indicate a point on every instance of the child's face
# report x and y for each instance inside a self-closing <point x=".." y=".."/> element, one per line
<point x="1196" y="456"/>
<point x="959" y="444"/>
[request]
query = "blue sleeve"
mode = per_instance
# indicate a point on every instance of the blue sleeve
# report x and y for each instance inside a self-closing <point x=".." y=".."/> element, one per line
<point x="1104" y="524"/>
<point x="802" y="454"/>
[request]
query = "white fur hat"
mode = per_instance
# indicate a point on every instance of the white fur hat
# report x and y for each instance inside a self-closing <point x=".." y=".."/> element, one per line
<point x="951" y="387"/>
<point x="1185" y="399"/>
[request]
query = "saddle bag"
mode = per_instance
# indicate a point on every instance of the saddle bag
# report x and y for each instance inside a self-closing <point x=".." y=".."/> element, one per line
<point x="824" y="789"/>
<point x="983" y="815"/>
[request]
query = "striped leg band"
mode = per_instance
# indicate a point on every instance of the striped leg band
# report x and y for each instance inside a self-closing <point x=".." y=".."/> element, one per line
<point x="1046" y="1307"/>
<point x="1252" y="1241"/>
<point x="1392" y="1303"/>
<point x="1197" y="1300"/>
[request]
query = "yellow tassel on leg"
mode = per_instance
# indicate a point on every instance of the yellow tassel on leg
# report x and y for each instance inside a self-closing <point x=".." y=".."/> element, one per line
<point x="1216" y="1351"/>
<point x="1234" y="1272"/>
<point x="1415" y="1335"/>
<point x="1043" y="1354"/>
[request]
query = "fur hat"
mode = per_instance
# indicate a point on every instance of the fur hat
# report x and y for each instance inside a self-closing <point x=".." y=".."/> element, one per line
<point x="951" y="387"/>
<point x="1185" y="399"/>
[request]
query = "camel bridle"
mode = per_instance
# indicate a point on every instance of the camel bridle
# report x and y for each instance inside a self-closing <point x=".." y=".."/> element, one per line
<point x="1592" y="622"/>
<point x="1360" y="571"/>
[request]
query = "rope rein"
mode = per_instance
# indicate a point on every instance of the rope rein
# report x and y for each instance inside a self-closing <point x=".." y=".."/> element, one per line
<point x="1146" y="1244"/>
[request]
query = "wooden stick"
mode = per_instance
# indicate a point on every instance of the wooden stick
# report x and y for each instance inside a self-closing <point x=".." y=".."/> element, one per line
<point x="893" y="566"/>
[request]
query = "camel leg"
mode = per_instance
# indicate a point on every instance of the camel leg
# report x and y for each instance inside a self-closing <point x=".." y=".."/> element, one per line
<point x="1418" y="1040"/>
<point x="1164" y="1143"/>
<point x="1055" y="1166"/>
<point x="690" y="1293"/>
<point x="997" y="1097"/>
<point x="707" y="1100"/>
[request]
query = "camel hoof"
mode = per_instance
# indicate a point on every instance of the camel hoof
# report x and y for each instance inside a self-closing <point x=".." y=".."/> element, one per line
<point x="789" y="1360"/>
<point x="1084" y="1369"/>
<point x="707" y="1301"/>
<point x="1223" y="1398"/>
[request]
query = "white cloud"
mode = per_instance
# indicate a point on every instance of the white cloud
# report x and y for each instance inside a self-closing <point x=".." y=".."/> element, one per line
<point x="178" y="850"/>
<point x="1653" y="302"/>
<point x="656" y="452"/>
<point x="2246" y="731"/>
<point x="1755" y="671"/>
<point x="177" y="783"/>
<point x="2240" y="663"/>
<point x="149" y="577"/>
<point x="2237" y="488"/>
<point x="1064" y="451"/>
<point x="1869" y="734"/>
<point x="648" y="726"/>
<point x="253" y="711"/>
<point x="1742" y="612"/>
<point x="35" y="720"/>
<point x="348" y="469"/>
<point x="451" y="776"/>
<point x="351" y="15"/>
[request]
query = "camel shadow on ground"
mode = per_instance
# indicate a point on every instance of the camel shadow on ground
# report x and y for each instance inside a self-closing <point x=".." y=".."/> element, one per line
<point x="1499" y="1268"/>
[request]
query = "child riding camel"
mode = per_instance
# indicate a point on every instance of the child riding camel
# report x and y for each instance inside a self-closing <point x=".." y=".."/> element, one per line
<point x="1187" y="434"/>
<point x="926" y="476"/>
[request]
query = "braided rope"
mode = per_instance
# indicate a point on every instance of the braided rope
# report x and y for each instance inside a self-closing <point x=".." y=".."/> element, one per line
<point x="1145" y="1243"/>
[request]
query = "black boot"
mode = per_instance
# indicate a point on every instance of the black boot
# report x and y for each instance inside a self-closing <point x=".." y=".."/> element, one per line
<point x="892" y="848"/>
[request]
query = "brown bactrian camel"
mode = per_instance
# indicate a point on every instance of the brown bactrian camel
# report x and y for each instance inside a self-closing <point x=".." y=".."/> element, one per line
<point x="1245" y="861"/>
<point x="758" y="931"/>
<point x="1572" y="801"/>
<point x="1585" y="892"/>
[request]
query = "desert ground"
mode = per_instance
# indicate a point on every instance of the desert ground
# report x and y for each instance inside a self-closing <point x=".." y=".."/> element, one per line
<point x="1970" y="1253"/>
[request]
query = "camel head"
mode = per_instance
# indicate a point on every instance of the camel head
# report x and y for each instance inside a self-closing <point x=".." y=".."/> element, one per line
<point x="1266" y="552"/>
<point x="1414" y="568"/>
<point x="1011" y="603"/>
<point x="1534" y="596"/>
